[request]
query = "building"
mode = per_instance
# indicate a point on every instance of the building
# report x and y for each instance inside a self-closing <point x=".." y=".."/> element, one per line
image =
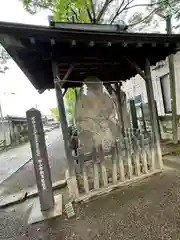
<point x="14" y="130"/>
<point x="136" y="89"/>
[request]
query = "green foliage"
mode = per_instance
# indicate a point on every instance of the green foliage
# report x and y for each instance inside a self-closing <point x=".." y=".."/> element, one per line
<point x="71" y="11"/>
<point x="70" y="100"/>
<point x="168" y="7"/>
<point x="4" y="56"/>
<point x="32" y="6"/>
<point x="131" y="12"/>
<point x="55" y="113"/>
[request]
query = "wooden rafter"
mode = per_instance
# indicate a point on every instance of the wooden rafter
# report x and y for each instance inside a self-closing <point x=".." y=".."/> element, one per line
<point x="137" y="68"/>
<point x="60" y="82"/>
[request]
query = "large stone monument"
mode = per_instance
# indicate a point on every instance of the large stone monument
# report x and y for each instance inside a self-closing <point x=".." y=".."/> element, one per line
<point x="96" y="117"/>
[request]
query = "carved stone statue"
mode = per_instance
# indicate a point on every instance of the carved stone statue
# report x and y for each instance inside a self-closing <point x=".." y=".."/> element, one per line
<point x="96" y="117"/>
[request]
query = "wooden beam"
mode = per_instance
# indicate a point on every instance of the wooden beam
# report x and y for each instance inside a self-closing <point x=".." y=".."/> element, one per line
<point x="72" y="182"/>
<point x="124" y="44"/>
<point x="137" y="68"/>
<point x="109" y="44"/>
<point x="153" y="114"/>
<point x="61" y="108"/>
<point x="40" y="91"/>
<point x="93" y="63"/>
<point x="133" y="114"/>
<point x="32" y="40"/>
<point x="73" y="43"/>
<point x="109" y="88"/>
<point x="68" y="73"/>
<point x="177" y="46"/>
<point x="139" y="44"/>
<point x="61" y="82"/>
<point x="91" y="44"/>
<point x="119" y="102"/>
<point x="65" y="91"/>
<point x="52" y="41"/>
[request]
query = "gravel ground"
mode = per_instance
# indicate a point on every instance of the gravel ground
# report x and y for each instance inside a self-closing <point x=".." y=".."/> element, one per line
<point x="146" y="210"/>
<point x="25" y="177"/>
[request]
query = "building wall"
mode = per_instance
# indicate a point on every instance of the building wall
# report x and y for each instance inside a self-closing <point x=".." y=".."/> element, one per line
<point x="5" y="129"/>
<point x="136" y="85"/>
<point x="15" y="131"/>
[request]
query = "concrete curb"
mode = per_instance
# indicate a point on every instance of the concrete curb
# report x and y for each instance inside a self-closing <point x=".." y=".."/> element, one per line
<point x="26" y="194"/>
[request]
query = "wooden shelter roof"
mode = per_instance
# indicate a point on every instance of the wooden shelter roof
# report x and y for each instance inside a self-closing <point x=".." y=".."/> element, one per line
<point x="102" y="50"/>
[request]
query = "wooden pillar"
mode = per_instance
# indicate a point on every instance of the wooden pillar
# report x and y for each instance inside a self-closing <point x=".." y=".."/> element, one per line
<point x="159" y="129"/>
<point x="143" y="119"/>
<point x="120" y="111"/>
<point x="172" y="85"/>
<point x="153" y="115"/>
<point x="71" y="177"/>
<point x="133" y="114"/>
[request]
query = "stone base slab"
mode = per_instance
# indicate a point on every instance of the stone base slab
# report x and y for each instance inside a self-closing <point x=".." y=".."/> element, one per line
<point x="37" y="215"/>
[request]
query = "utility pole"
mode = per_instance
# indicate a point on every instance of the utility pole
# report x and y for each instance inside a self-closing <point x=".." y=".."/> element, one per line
<point x="172" y="85"/>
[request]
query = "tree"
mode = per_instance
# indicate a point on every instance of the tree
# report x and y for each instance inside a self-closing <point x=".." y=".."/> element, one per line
<point x="169" y="7"/>
<point x="134" y="14"/>
<point x="33" y="6"/>
<point x="70" y="100"/>
<point x="55" y="113"/>
<point x="128" y="12"/>
<point x="4" y="56"/>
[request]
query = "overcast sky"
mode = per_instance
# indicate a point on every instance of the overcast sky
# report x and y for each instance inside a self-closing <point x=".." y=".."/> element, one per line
<point x="16" y="92"/>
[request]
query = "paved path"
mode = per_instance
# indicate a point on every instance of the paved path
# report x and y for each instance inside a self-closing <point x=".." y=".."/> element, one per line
<point x="24" y="177"/>
<point x="15" y="158"/>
